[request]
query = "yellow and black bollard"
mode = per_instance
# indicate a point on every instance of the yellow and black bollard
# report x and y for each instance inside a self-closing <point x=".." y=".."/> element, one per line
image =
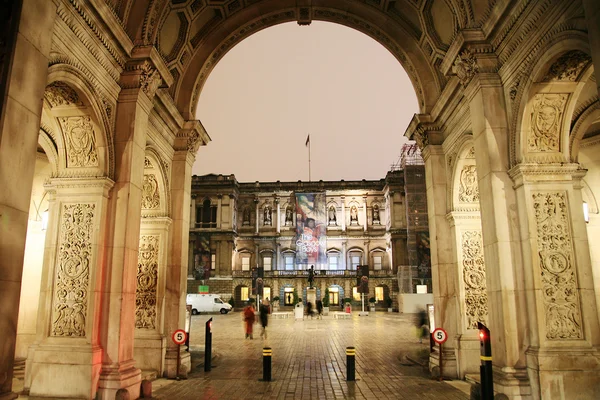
<point x="350" y="363"/>
<point x="267" y="355"/>
<point x="485" y="370"/>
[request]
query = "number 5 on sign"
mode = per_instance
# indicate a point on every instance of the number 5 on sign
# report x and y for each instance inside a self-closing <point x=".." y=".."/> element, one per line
<point x="440" y="335"/>
<point x="179" y="336"/>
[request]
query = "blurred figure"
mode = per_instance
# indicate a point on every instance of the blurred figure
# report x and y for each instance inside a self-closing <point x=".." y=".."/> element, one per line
<point x="422" y="325"/>
<point x="249" y="318"/>
<point x="319" y="309"/>
<point x="309" y="310"/>
<point x="264" y="318"/>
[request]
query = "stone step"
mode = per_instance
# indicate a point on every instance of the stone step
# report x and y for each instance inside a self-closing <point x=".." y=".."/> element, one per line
<point x="19" y="368"/>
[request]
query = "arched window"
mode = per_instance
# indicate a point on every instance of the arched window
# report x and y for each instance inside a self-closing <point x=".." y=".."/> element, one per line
<point x="206" y="215"/>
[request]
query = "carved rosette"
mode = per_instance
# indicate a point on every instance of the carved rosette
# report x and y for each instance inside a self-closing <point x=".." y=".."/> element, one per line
<point x="468" y="191"/>
<point x="61" y="94"/>
<point x="465" y="67"/>
<point x="147" y="281"/>
<point x="476" y="301"/>
<point x="80" y="141"/>
<point x="71" y="284"/>
<point x="558" y="279"/>
<point x="546" y="122"/>
<point x="150" y="193"/>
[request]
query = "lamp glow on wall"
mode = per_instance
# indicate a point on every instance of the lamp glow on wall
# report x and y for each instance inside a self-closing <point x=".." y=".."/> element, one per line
<point x="45" y="220"/>
<point x="586" y="212"/>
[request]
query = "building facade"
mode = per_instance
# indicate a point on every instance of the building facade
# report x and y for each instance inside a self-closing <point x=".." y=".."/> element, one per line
<point x="284" y="228"/>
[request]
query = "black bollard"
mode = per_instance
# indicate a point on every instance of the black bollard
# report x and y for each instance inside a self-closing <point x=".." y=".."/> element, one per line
<point x="485" y="370"/>
<point x="267" y="355"/>
<point x="208" y="345"/>
<point x="350" y="363"/>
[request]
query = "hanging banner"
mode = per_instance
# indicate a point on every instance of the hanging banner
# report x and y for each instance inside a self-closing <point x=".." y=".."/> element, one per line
<point x="311" y="230"/>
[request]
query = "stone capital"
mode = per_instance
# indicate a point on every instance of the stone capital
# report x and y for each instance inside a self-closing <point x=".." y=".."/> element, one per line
<point x="424" y="131"/>
<point x="523" y="174"/>
<point x="145" y="70"/>
<point x="191" y="136"/>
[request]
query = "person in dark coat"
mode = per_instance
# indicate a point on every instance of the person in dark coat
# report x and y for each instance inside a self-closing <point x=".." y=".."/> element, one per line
<point x="319" y="309"/>
<point x="309" y="310"/>
<point x="264" y="317"/>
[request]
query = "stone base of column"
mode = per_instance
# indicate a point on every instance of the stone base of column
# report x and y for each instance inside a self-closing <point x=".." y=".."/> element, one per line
<point x="149" y="353"/>
<point x="52" y="364"/>
<point x="467" y="353"/>
<point x="123" y="376"/>
<point x="185" y="364"/>
<point x="8" y="396"/>
<point x="512" y="382"/>
<point x="568" y="373"/>
<point x="449" y="369"/>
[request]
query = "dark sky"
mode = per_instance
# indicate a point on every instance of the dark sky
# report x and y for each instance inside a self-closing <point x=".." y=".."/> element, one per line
<point x="285" y="82"/>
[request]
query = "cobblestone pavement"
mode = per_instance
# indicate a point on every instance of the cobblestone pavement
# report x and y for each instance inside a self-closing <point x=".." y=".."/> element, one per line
<point x="309" y="361"/>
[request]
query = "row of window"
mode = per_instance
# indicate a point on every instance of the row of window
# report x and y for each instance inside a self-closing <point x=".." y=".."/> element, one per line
<point x="333" y="263"/>
<point x="334" y="295"/>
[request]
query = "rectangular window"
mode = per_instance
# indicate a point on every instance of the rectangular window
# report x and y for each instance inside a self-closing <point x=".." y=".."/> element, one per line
<point x="379" y="293"/>
<point x="245" y="263"/>
<point x="333" y="263"/>
<point x="288" y="296"/>
<point x="213" y="261"/>
<point x="377" y="262"/>
<point x="355" y="294"/>
<point x="289" y="263"/>
<point x="244" y="294"/>
<point x="354" y="262"/>
<point x="267" y="263"/>
<point x="267" y="293"/>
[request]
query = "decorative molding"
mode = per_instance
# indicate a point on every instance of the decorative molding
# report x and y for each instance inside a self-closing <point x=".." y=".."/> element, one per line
<point x="546" y="122"/>
<point x="61" y="94"/>
<point x="473" y="271"/>
<point x="147" y="282"/>
<point x="568" y="67"/>
<point x="147" y="163"/>
<point x="80" y="141"/>
<point x="150" y="193"/>
<point x="468" y="191"/>
<point x="141" y="75"/>
<point x="465" y="67"/>
<point x="71" y="283"/>
<point x="559" y="289"/>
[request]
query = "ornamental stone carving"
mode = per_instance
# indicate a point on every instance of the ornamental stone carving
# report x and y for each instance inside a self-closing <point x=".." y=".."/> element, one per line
<point x="71" y="284"/>
<point x="568" y="67"/>
<point x="147" y="281"/>
<point x="150" y="193"/>
<point x="80" y="141"/>
<point x="150" y="79"/>
<point x="61" y="94"/>
<point x="476" y="302"/>
<point x="558" y="279"/>
<point x="465" y="67"/>
<point x="546" y="121"/>
<point x="147" y="163"/>
<point x="468" y="191"/>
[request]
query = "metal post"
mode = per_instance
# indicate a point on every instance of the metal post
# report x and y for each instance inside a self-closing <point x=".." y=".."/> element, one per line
<point x="485" y="370"/>
<point x="178" y="361"/>
<point x="441" y="364"/>
<point x="350" y="363"/>
<point x="208" y="345"/>
<point x="267" y="355"/>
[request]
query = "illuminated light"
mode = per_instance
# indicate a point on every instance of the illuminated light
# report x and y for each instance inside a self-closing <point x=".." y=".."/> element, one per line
<point x="481" y="335"/>
<point x="586" y="212"/>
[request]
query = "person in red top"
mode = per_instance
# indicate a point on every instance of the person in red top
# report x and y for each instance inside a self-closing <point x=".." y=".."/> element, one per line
<point x="249" y="319"/>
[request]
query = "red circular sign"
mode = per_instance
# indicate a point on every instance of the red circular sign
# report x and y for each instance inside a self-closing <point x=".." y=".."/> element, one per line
<point x="439" y="336"/>
<point x="179" y="336"/>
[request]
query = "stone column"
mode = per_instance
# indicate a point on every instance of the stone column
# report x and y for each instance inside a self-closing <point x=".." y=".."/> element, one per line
<point x="232" y="213"/>
<point x="193" y="212"/>
<point x="278" y="215"/>
<point x="443" y="273"/>
<point x="592" y="18"/>
<point x="504" y="272"/>
<point x="278" y="257"/>
<point x="344" y="255"/>
<point x="150" y="338"/>
<point x="186" y="146"/>
<point x="256" y="213"/>
<point x="29" y="36"/>
<point x="68" y="338"/>
<point x="343" y="214"/>
<point x="562" y="357"/>
<point x="219" y="201"/>
<point x="365" y="213"/>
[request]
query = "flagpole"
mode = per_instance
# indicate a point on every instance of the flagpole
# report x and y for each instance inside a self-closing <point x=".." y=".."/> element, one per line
<point x="309" y="158"/>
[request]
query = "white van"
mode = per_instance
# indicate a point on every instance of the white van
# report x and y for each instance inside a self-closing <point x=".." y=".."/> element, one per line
<point x="207" y="303"/>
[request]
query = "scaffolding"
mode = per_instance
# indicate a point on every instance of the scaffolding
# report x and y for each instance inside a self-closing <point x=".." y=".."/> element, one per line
<point x="418" y="270"/>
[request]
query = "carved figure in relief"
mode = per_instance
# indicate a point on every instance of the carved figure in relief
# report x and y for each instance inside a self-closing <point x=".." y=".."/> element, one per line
<point x="353" y="215"/>
<point x="267" y="216"/>
<point x="376" y="220"/>
<point x="246" y="216"/>
<point x="468" y="191"/>
<point x="331" y="216"/>
<point x="289" y="216"/>
<point x="81" y="142"/>
<point x="150" y="194"/>
<point x="546" y="119"/>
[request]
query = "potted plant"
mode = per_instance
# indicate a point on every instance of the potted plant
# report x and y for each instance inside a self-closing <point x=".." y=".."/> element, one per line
<point x="388" y="303"/>
<point x="372" y="302"/>
<point x="275" y="303"/>
<point x="326" y="302"/>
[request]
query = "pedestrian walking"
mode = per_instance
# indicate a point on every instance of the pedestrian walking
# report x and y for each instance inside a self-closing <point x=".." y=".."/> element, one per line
<point x="422" y="326"/>
<point x="319" y="309"/>
<point x="249" y="318"/>
<point x="309" y="310"/>
<point x="264" y="318"/>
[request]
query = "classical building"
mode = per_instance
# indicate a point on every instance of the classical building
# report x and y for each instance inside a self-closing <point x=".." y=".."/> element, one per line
<point x="284" y="228"/>
<point x="98" y="136"/>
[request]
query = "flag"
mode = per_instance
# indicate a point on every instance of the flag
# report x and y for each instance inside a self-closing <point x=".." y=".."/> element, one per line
<point x="307" y="140"/>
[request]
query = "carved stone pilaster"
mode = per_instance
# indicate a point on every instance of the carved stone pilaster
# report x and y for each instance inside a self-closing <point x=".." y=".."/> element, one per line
<point x="147" y="281"/>
<point x="473" y="272"/>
